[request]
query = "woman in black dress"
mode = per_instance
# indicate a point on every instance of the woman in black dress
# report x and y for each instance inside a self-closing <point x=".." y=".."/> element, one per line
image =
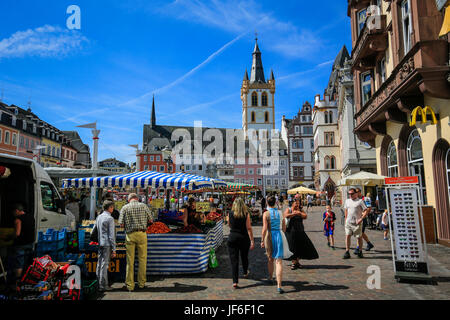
<point x="299" y="242"/>
<point x="240" y="240"/>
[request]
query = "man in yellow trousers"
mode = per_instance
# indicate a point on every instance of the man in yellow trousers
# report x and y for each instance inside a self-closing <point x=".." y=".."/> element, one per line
<point x="134" y="218"/>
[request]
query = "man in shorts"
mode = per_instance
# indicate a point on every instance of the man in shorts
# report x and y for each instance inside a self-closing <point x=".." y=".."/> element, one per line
<point x="355" y="212"/>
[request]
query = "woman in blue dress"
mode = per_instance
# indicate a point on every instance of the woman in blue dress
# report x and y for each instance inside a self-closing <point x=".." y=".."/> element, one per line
<point x="274" y="241"/>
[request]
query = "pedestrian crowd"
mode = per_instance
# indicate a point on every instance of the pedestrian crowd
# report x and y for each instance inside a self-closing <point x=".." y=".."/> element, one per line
<point x="283" y="235"/>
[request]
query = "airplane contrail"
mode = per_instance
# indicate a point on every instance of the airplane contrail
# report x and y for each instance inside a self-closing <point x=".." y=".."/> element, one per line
<point x="191" y="72"/>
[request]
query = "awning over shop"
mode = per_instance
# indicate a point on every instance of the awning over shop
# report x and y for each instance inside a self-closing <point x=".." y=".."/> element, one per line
<point x="362" y="178"/>
<point x="240" y="187"/>
<point x="141" y="179"/>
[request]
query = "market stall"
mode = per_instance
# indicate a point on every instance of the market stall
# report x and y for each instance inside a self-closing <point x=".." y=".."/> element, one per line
<point x="172" y="248"/>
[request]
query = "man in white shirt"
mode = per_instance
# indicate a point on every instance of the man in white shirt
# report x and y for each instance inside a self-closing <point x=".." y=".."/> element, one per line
<point x="355" y="212"/>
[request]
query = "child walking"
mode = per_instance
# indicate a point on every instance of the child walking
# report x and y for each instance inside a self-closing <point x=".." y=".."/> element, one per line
<point x="328" y="218"/>
<point x="385" y="224"/>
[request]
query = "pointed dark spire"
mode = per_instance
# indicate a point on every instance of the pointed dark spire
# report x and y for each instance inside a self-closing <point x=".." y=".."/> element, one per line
<point x="272" y="77"/>
<point x="257" y="74"/>
<point x="153" y="117"/>
<point x="246" y="75"/>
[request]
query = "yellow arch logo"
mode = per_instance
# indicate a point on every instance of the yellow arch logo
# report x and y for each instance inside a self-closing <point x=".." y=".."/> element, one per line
<point x="419" y="111"/>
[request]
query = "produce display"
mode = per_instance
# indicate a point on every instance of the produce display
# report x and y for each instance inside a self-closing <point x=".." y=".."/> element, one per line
<point x="188" y="229"/>
<point x="213" y="216"/>
<point x="210" y="223"/>
<point x="158" y="227"/>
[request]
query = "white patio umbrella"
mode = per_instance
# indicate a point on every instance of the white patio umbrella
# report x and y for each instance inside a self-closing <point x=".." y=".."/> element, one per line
<point x="362" y="178"/>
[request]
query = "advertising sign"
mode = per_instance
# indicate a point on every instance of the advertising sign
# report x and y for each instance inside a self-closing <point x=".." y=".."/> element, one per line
<point x="402" y="180"/>
<point x="410" y="255"/>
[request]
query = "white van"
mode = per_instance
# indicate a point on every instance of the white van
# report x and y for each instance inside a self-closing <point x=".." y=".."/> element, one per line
<point x="31" y="186"/>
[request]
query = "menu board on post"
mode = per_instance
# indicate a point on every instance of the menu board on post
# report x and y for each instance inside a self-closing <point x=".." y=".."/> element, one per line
<point x="410" y="254"/>
<point x="203" y="206"/>
<point x="157" y="203"/>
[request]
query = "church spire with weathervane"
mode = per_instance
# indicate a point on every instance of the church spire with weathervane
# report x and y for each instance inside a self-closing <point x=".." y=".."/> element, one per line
<point x="153" y="116"/>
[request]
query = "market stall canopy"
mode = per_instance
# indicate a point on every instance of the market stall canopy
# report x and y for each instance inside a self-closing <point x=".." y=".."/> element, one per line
<point x="140" y="179"/>
<point x="240" y="186"/>
<point x="215" y="183"/>
<point x="302" y="190"/>
<point x="362" y="178"/>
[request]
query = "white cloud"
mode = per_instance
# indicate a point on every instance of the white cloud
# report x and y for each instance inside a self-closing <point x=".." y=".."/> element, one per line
<point x="45" y="41"/>
<point x="238" y="16"/>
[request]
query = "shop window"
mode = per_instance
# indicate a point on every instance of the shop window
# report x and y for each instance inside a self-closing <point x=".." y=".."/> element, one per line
<point x="415" y="161"/>
<point x="392" y="163"/>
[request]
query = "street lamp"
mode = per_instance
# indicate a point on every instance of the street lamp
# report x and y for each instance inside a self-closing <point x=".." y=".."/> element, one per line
<point x="138" y="165"/>
<point x="36" y="152"/>
<point x="95" y="134"/>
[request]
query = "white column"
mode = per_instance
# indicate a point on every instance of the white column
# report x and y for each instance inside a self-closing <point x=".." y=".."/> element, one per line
<point x="93" y="201"/>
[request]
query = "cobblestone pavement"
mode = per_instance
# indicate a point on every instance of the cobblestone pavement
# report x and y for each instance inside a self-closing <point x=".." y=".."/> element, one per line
<point x="329" y="277"/>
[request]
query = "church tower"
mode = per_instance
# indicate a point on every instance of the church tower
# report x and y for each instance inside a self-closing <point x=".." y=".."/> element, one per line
<point x="258" y="98"/>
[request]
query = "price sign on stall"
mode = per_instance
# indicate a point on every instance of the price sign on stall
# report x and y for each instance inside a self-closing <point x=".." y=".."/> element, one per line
<point x="203" y="206"/>
<point x="157" y="203"/>
<point x="119" y="204"/>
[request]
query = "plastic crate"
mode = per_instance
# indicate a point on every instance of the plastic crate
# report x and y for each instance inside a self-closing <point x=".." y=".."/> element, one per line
<point x="81" y="239"/>
<point x="89" y="290"/>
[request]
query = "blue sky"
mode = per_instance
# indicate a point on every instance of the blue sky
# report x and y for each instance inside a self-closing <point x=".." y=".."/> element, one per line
<point x="191" y="54"/>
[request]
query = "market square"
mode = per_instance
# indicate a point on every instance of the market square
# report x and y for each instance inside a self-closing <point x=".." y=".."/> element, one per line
<point x="225" y="150"/>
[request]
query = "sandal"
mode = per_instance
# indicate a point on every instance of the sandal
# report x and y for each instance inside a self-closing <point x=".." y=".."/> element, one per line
<point x="295" y="266"/>
<point x="235" y="286"/>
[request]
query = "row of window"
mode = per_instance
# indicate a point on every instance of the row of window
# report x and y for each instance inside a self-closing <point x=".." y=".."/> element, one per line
<point x="158" y="158"/>
<point x="405" y="20"/>
<point x="299" y="172"/>
<point x="306" y="129"/>
<point x="268" y="172"/>
<point x="266" y="117"/>
<point x="366" y="82"/>
<point x="264" y="99"/>
<point x="328" y="116"/>
<point x="155" y="168"/>
<point x="7" y="138"/>
<point x="414" y="158"/>
<point x="299" y="157"/>
<point x="269" y="181"/>
<point x="298" y="143"/>
<point x="330" y="162"/>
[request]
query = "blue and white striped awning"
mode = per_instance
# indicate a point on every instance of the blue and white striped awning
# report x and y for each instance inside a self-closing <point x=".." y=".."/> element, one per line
<point x="215" y="182"/>
<point x="141" y="179"/>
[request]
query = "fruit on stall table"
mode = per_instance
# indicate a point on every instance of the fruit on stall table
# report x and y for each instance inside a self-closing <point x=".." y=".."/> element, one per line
<point x="158" y="227"/>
